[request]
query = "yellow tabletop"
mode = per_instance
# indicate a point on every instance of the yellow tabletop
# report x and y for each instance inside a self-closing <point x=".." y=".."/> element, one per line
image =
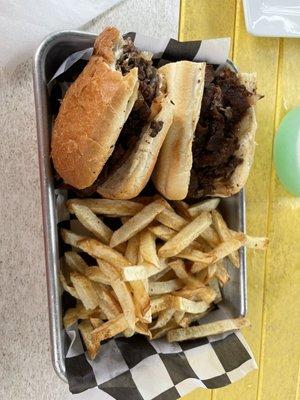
<point x="274" y="276"/>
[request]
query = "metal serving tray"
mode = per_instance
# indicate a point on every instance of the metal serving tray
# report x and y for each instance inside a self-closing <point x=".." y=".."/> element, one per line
<point x="49" y="56"/>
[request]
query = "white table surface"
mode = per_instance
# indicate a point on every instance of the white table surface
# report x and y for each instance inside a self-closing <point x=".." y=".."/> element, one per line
<point x="25" y="363"/>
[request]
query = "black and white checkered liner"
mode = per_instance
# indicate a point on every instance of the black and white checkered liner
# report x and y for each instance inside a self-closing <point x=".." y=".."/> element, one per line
<point x="135" y="368"/>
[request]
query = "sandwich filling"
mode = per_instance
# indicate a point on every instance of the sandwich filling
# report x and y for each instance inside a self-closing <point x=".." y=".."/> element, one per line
<point x="225" y="102"/>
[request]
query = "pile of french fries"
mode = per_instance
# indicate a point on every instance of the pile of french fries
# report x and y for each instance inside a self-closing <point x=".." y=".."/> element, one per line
<point x="158" y="273"/>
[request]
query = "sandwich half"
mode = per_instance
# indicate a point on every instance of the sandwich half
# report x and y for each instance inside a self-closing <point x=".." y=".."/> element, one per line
<point x="213" y="159"/>
<point x="112" y="121"/>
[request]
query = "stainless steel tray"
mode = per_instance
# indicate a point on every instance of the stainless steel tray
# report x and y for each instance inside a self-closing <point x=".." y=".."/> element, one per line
<point x="49" y="56"/>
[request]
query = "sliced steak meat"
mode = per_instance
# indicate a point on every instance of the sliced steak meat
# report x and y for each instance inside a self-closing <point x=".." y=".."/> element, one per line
<point x="225" y="102"/>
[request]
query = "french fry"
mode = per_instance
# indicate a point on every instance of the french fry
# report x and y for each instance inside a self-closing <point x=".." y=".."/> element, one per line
<point x="257" y="243"/>
<point x="169" y="218"/>
<point x="158" y="275"/>
<point x="70" y="317"/>
<point x="201" y="292"/>
<point x="99" y="250"/>
<point x="182" y="209"/>
<point x="162" y="232"/>
<point x="163" y="318"/>
<point x="214" y="284"/>
<point x="109" y="270"/>
<point x="75" y="262"/>
<point x="134" y="273"/>
<point x="189" y="318"/>
<point x="206" y="205"/>
<point x="120" y="208"/>
<point x="70" y="237"/>
<point x="107" y="301"/>
<point x="83" y="313"/>
<point x="67" y="287"/>
<point x="95" y="274"/>
<point x="158" y="304"/>
<point x="90" y="221"/>
<point x="222" y="273"/>
<point x="141" y="300"/>
<point x="85" y="290"/>
<point x="158" y="333"/>
<point x="178" y="316"/>
<point x="164" y="287"/>
<point x="96" y="322"/>
<point x="227" y="247"/>
<point x="126" y="302"/>
<point x="132" y="249"/>
<point x="148" y="248"/>
<point x="186" y="236"/>
<point x="85" y="327"/>
<point x="192" y="254"/>
<point x="109" y="329"/>
<point x="225" y="234"/>
<point x="199" y="266"/>
<point x="183" y="304"/>
<point x="143" y="329"/>
<point x="138" y="222"/>
<point x="210" y="236"/>
<point x="213" y="328"/>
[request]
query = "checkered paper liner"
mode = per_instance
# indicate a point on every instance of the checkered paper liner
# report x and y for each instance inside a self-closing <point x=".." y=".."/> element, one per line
<point x="136" y="368"/>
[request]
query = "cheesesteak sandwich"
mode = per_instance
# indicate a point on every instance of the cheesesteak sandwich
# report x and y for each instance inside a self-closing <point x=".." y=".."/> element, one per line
<point x="112" y="121"/>
<point x="210" y="154"/>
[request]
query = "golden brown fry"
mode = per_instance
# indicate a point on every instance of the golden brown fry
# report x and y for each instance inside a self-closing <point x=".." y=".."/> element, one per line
<point x="182" y="209"/>
<point x="95" y="274"/>
<point x="257" y="243"/>
<point x="225" y="234"/>
<point x="99" y="250"/>
<point x="197" y="256"/>
<point x="158" y="304"/>
<point x="212" y="328"/>
<point x="86" y="328"/>
<point x="201" y="292"/>
<point x="118" y="208"/>
<point x="85" y="290"/>
<point x="169" y="218"/>
<point x="206" y="205"/>
<point x="134" y="273"/>
<point x="70" y="237"/>
<point x="222" y="273"/>
<point x="163" y="318"/>
<point x="189" y="318"/>
<point x="82" y="313"/>
<point x="90" y="221"/>
<point x="138" y="222"/>
<point x="143" y="329"/>
<point x="109" y="329"/>
<point x="108" y="303"/>
<point x="132" y="249"/>
<point x="178" y="316"/>
<point x="228" y="247"/>
<point x="186" y="236"/>
<point x="148" y="248"/>
<point x="96" y="322"/>
<point x="66" y="287"/>
<point x="158" y="333"/>
<point x="141" y="300"/>
<point x="124" y="296"/>
<point x="164" y="287"/>
<point x="198" y="266"/>
<point x="109" y="270"/>
<point x="183" y="304"/>
<point x="70" y="317"/>
<point x="75" y="262"/>
<point x="162" y="232"/>
<point x="214" y="284"/>
<point x="210" y="236"/>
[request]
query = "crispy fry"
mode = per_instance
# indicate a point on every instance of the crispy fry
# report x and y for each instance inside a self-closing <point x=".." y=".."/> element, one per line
<point x="163" y="318"/>
<point x="148" y="248"/>
<point x="162" y="232"/>
<point x="107" y="301"/>
<point x="96" y="322"/>
<point x="67" y="287"/>
<point x="198" y="266"/>
<point x="141" y="300"/>
<point x="95" y="274"/>
<point x="143" y="329"/>
<point x="182" y="209"/>
<point x="138" y="222"/>
<point x="257" y="243"/>
<point x="226" y="248"/>
<point x="82" y="313"/>
<point x="99" y="250"/>
<point x="85" y="327"/>
<point x="222" y="273"/>
<point x="85" y="290"/>
<point x="195" y="255"/>
<point x="158" y="304"/>
<point x="169" y="218"/>
<point x="182" y="304"/>
<point x="132" y="249"/>
<point x="164" y="287"/>
<point x="109" y="329"/>
<point x="178" y="316"/>
<point x="184" y="238"/>
<point x="118" y="208"/>
<point x="109" y="270"/>
<point x="94" y="224"/>
<point x="158" y="333"/>
<point x="70" y="237"/>
<point x="206" y="205"/>
<point x="189" y="318"/>
<point x="75" y="262"/>
<point x="126" y="302"/>
<point x="214" y="284"/>
<point x="201" y="292"/>
<point x="70" y="317"/>
<point x="134" y="273"/>
<point x="210" y="236"/>
<point x="204" y="330"/>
